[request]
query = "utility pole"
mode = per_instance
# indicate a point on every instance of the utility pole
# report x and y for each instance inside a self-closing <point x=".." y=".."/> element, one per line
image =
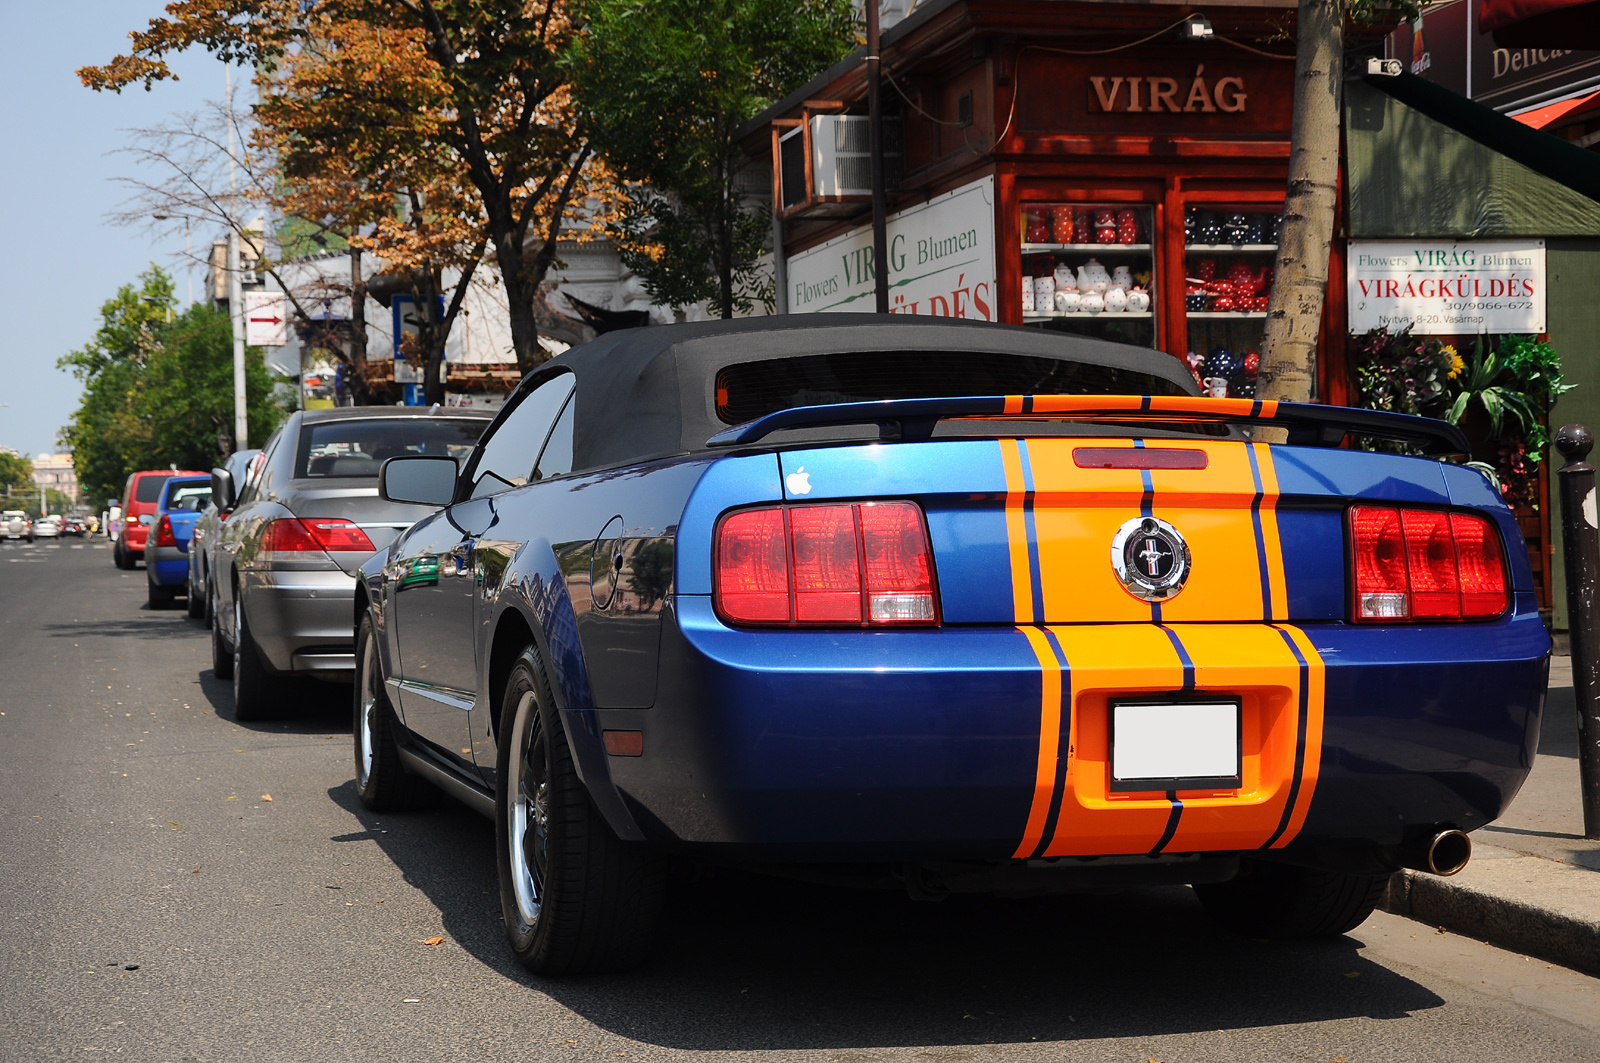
<point x="241" y="424"/>
<point x="880" y="205"/>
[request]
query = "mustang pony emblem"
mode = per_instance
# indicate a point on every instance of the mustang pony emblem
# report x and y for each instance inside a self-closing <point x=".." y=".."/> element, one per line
<point x="1150" y="558"/>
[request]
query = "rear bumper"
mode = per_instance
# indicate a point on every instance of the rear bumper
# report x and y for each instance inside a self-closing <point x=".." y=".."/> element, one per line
<point x="168" y="566"/>
<point x="940" y="744"/>
<point x="301" y="620"/>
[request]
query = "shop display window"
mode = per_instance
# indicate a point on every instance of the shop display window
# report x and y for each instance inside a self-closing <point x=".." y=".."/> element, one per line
<point x="1089" y="268"/>
<point x="1228" y="266"/>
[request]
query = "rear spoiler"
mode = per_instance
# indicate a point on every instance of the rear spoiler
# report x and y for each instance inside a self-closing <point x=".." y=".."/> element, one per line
<point x="1307" y="424"/>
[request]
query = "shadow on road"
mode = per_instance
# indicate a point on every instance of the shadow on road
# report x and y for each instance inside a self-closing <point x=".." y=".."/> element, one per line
<point x="309" y="706"/>
<point x="746" y="963"/>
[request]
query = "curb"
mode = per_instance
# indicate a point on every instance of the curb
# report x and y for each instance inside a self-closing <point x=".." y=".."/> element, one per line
<point x="1523" y="903"/>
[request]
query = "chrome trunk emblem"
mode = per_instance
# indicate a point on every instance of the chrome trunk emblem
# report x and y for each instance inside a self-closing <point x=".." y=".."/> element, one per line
<point x="1150" y="558"/>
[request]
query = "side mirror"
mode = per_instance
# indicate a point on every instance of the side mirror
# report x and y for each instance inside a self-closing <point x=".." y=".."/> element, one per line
<point x="222" y="490"/>
<point x="418" y="479"/>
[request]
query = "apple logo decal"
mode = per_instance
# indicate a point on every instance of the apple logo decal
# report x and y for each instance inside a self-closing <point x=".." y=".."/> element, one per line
<point x="798" y="482"/>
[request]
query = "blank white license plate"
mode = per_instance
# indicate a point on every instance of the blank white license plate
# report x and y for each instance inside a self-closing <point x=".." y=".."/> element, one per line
<point x="1174" y="744"/>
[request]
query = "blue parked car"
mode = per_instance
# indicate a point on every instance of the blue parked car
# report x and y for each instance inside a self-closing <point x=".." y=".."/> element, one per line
<point x="166" y="559"/>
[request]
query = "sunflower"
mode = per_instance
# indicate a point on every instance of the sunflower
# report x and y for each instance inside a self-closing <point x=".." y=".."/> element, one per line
<point x="1456" y="363"/>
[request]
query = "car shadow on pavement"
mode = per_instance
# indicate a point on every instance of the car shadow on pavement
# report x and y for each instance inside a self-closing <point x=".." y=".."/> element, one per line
<point x="746" y="962"/>
<point x="308" y="706"/>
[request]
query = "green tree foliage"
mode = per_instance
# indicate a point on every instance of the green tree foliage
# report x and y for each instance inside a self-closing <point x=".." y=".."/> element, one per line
<point x="664" y="84"/>
<point x="158" y="389"/>
<point x="16" y="480"/>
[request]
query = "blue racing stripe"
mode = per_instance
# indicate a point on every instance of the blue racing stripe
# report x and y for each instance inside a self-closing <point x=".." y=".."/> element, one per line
<point x="1063" y="746"/>
<point x="1300" y="738"/>
<point x="1184" y="658"/>
<point x="1172" y="822"/>
<point x="1034" y="577"/>
<point x="1261" y="539"/>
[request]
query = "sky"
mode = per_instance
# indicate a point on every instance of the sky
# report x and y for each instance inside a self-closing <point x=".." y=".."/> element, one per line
<point x="62" y="259"/>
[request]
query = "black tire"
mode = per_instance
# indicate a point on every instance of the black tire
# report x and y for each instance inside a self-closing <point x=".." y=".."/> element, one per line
<point x="210" y="598"/>
<point x="256" y="691"/>
<point x="159" y="597"/>
<point x="1274" y="900"/>
<point x="221" y="652"/>
<point x="382" y="782"/>
<point x="194" y="604"/>
<point x="574" y="898"/>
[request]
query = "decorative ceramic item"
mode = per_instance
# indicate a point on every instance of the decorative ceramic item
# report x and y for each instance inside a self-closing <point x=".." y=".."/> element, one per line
<point x="1065" y="278"/>
<point x="1138" y="300"/>
<point x="1235" y="227"/>
<point x="1027" y="295"/>
<point x="1252" y="364"/>
<point x="1082" y="231"/>
<point x="1127" y="227"/>
<point x="1206" y="269"/>
<point x="1091" y="302"/>
<point x="1037" y="227"/>
<point x="1195" y="361"/>
<point x="1044" y="292"/>
<point x="1093" y="275"/>
<point x="1216" y="386"/>
<point x="1195" y="298"/>
<point x="1223" y="303"/>
<point x="1061" y="222"/>
<point x="1210" y="228"/>
<point x="1253" y="231"/>
<point x="1116" y="300"/>
<point x="1222" y="362"/>
<point x="1121" y="277"/>
<point x="1067" y="300"/>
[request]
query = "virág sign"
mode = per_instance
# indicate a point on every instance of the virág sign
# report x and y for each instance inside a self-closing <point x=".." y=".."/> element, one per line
<point x="1443" y="287"/>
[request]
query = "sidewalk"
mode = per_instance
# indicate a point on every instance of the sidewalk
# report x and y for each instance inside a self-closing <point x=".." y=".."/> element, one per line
<point x="1533" y="885"/>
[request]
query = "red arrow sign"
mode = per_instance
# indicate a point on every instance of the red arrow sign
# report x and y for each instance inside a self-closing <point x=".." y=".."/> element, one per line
<point x="269" y="320"/>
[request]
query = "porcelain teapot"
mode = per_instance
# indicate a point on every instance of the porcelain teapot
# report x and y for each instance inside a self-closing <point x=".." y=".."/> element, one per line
<point x="1068" y="300"/>
<point x="1091" y="302"/>
<point x="1116" y="299"/>
<point x="1122" y="278"/>
<point x="1065" y="279"/>
<point x="1246" y="281"/>
<point x="1093" y="276"/>
<point x="1138" y="300"/>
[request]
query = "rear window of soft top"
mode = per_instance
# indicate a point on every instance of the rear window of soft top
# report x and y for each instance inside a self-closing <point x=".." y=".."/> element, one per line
<point x="748" y="390"/>
<point x="148" y="489"/>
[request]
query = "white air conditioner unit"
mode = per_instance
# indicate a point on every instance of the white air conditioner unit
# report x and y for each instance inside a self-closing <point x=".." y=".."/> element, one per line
<point x="839" y="178"/>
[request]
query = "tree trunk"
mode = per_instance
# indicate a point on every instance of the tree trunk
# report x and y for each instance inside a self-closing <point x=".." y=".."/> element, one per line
<point x="432" y="335"/>
<point x="520" y="291"/>
<point x="1294" y="316"/>
<point x="359" y="392"/>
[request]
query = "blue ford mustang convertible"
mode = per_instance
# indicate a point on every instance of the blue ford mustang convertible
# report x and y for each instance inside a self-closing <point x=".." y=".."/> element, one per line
<point x="959" y="607"/>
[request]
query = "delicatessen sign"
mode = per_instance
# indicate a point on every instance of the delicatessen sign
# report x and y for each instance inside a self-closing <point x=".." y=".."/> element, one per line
<point x="1443" y="287"/>
<point x="941" y="262"/>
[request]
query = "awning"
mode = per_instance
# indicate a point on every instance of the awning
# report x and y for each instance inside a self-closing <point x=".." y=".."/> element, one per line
<point x="1542" y="23"/>
<point x="1546" y="116"/>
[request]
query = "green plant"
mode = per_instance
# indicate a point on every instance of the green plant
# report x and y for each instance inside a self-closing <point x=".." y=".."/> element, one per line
<point x="1402" y="373"/>
<point x="1487" y="383"/>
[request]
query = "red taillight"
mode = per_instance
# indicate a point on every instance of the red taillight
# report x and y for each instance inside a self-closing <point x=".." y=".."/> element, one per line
<point x="854" y="564"/>
<point x="288" y="539"/>
<point x="1425" y="564"/>
<point x="164" y="536"/>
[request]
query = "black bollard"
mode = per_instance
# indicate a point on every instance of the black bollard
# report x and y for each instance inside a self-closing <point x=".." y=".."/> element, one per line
<point x="1580" y="540"/>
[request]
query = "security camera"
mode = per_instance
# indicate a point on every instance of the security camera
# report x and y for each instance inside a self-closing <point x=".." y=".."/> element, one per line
<point x="1388" y="68"/>
<point x="1195" y="28"/>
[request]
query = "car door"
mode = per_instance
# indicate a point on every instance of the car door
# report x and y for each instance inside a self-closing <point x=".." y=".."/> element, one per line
<point x="434" y="581"/>
<point x="234" y="533"/>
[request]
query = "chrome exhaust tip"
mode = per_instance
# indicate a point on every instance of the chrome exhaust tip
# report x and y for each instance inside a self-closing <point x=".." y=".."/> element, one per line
<point x="1447" y="853"/>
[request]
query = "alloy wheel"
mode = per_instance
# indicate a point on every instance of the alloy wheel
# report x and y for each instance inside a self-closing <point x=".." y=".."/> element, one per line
<point x="369" y="710"/>
<point x="529" y="790"/>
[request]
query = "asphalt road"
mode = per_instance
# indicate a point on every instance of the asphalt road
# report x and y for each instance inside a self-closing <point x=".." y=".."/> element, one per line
<point x="155" y="905"/>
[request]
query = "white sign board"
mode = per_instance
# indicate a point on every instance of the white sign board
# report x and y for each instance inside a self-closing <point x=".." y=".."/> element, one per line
<point x="941" y="262"/>
<point x="1443" y="287"/>
<point x="266" y="319"/>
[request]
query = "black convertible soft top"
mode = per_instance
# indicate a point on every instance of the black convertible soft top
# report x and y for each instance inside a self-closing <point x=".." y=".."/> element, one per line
<point x="652" y="392"/>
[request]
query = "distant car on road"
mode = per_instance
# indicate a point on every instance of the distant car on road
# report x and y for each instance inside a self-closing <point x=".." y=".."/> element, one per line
<point x="14" y="524"/>
<point x="47" y="527"/>
<point x="284" y="566"/>
<point x="166" y="555"/>
<point x="77" y="527"/>
<point x="202" y="544"/>
<point x="139" y="499"/>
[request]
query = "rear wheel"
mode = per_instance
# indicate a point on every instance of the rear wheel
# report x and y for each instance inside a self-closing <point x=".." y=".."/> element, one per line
<point x="119" y="556"/>
<point x="1275" y="900"/>
<point x="159" y="597"/>
<point x="255" y="690"/>
<point x="382" y="782"/>
<point x="574" y="898"/>
<point x="221" y="652"/>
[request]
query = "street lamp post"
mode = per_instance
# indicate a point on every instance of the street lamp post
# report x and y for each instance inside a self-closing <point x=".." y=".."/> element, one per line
<point x="241" y="424"/>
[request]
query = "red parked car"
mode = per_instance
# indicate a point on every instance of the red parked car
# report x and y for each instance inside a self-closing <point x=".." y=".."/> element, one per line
<point x="139" y="500"/>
